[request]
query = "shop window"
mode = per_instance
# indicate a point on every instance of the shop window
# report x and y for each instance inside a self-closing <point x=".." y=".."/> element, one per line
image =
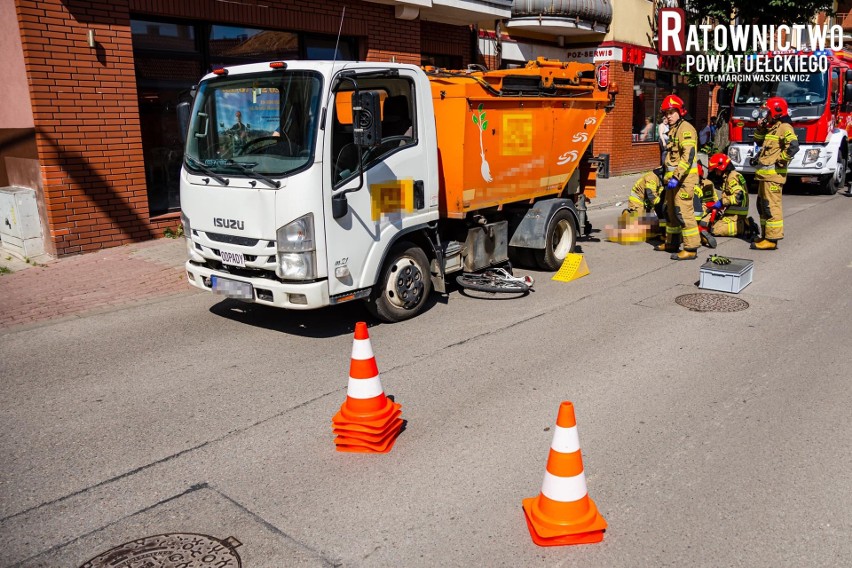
<point x="163" y="36"/>
<point x="238" y="44"/>
<point x="323" y="48"/>
<point x="171" y="56"/>
<point x="441" y="61"/>
<point x="649" y="89"/>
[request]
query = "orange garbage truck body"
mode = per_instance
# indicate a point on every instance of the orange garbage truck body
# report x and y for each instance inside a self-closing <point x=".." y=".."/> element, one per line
<point x="513" y="135"/>
<point x="307" y="184"/>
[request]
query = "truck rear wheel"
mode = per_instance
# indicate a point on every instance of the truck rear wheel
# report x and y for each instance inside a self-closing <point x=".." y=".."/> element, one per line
<point x="560" y="238"/>
<point x="403" y="285"/>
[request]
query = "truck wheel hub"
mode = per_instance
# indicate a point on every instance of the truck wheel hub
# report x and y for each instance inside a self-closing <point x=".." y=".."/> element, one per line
<point x="561" y="242"/>
<point x="405" y="286"/>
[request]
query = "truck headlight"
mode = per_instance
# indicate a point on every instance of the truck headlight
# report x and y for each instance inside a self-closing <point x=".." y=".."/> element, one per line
<point x="811" y="155"/>
<point x="297" y="259"/>
<point x="734" y="154"/>
<point x="297" y="265"/>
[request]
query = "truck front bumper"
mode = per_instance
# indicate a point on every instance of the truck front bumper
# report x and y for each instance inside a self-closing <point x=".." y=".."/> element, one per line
<point x="289" y="295"/>
<point x="822" y="160"/>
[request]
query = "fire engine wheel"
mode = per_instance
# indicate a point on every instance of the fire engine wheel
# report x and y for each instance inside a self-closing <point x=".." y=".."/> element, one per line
<point x="832" y="183"/>
<point x="559" y="240"/>
<point x="403" y="286"/>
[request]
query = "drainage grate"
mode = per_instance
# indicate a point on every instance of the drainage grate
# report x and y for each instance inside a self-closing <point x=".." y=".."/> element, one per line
<point x="170" y="551"/>
<point x="711" y="303"/>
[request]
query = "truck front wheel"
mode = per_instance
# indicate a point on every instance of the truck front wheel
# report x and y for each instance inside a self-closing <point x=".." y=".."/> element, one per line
<point x="559" y="240"/>
<point x="403" y="285"/>
<point x="830" y="184"/>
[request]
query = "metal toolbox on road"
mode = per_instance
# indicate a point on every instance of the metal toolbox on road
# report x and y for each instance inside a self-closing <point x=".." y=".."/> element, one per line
<point x="727" y="277"/>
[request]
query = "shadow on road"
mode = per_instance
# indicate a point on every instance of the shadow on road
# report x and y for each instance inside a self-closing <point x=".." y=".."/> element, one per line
<point x="332" y="321"/>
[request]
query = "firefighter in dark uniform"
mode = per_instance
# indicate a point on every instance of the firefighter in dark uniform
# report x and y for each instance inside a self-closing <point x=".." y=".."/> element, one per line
<point x="734" y="200"/>
<point x="778" y="144"/>
<point x="681" y="181"/>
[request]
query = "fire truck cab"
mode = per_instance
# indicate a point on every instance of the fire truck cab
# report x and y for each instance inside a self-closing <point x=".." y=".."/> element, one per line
<point x="821" y="111"/>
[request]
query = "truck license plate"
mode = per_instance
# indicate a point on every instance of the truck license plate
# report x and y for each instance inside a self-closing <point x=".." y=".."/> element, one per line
<point x="233" y="258"/>
<point x="232" y="288"/>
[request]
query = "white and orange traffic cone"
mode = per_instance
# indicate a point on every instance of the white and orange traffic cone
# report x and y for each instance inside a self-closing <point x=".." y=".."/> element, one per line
<point x="368" y="421"/>
<point x="563" y="513"/>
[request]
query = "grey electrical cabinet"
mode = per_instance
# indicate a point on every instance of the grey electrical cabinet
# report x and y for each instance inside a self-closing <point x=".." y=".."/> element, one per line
<point x="20" y="227"/>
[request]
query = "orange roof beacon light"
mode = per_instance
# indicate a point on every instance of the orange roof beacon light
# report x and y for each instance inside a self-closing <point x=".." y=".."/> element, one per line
<point x="278" y="65"/>
<point x="221" y="71"/>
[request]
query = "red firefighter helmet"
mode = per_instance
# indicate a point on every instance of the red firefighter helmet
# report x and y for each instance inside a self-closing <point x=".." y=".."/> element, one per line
<point x="673" y="102"/>
<point x="719" y="162"/>
<point x="777" y="107"/>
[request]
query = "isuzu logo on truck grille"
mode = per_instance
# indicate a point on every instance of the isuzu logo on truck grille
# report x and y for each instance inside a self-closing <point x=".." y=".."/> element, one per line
<point x="229" y="223"/>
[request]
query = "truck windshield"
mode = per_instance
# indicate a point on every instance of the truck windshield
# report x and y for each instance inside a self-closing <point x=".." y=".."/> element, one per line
<point x="808" y="92"/>
<point x="255" y="124"/>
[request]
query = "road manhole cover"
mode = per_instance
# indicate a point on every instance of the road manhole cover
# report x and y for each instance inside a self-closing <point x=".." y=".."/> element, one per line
<point x="175" y="550"/>
<point x="711" y="303"/>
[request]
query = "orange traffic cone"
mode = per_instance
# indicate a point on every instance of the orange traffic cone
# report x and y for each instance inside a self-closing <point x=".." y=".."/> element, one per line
<point x="563" y="513"/>
<point x="368" y="421"/>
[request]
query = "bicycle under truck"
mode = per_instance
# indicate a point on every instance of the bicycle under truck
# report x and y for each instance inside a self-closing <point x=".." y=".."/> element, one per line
<point x="377" y="181"/>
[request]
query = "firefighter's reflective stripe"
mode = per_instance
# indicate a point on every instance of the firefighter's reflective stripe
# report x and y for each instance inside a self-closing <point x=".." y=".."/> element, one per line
<point x="672" y="230"/>
<point x="773" y="224"/>
<point x="690" y="232"/>
<point x="737" y="210"/>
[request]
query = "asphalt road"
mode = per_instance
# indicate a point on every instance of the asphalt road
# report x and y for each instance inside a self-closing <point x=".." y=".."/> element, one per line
<point x="709" y="439"/>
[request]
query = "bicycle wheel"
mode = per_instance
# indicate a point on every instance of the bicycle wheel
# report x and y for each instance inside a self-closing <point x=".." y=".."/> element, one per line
<point x="492" y="284"/>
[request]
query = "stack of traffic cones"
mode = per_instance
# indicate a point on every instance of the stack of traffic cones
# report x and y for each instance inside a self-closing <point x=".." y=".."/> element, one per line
<point x="368" y="422"/>
<point x="563" y="513"/>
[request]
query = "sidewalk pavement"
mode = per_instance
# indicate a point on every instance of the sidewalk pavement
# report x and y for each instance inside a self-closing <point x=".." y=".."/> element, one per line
<point x="37" y="292"/>
<point x="90" y="283"/>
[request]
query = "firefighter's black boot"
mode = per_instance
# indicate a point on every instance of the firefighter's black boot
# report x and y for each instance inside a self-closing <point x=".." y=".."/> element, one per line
<point x="707" y="239"/>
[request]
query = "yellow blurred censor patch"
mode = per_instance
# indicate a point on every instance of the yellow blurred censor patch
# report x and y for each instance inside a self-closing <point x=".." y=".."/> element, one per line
<point x="395" y="196"/>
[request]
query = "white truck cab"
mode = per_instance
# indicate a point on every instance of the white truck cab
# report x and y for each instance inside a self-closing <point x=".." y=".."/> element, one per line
<point x="271" y="157"/>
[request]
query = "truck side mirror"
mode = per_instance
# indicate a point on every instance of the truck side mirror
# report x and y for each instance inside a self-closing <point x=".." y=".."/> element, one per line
<point x="339" y="205"/>
<point x="848" y="75"/>
<point x="723" y="97"/>
<point x="183" y="119"/>
<point x="366" y="118"/>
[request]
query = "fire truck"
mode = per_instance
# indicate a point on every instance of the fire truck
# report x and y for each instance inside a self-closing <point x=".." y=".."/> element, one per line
<point x="821" y="111"/>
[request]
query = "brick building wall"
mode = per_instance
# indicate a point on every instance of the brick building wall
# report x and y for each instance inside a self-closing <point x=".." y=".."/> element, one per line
<point x="446" y="39"/>
<point x="615" y="134"/>
<point x="86" y="110"/>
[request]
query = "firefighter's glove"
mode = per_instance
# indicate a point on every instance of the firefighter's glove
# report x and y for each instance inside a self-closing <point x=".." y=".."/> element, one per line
<point x="753" y="161"/>
<point x="782" y="163"/>
<point x="672" y="183"/>
<point x="716" y="259"/>
<point x="716" y="205"/>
